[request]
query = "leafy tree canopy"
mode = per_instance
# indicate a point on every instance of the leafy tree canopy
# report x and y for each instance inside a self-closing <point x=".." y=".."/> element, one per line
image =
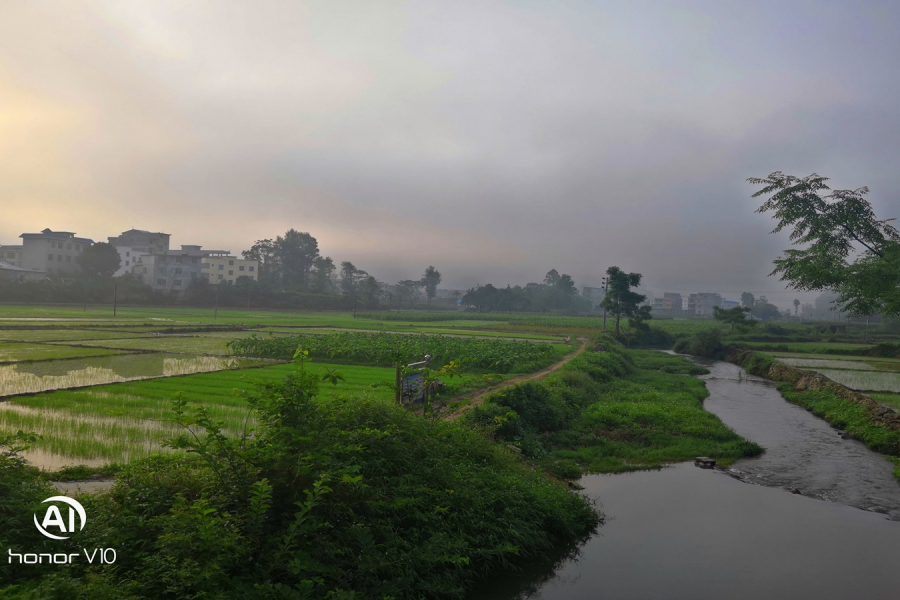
<point x="619" y="299"/>
<point x="100" y="260"/>
<point x="736" y="317"/>
<point x="845" y="248"/>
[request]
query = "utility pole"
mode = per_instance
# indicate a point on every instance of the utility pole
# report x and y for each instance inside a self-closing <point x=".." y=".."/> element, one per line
<point x="605" y="281"/>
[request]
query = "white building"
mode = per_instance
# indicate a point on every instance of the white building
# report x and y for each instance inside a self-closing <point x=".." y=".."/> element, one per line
<point x="702" y="304"/>
<point x="219" y="266"/>
<point x="54" y="252"/>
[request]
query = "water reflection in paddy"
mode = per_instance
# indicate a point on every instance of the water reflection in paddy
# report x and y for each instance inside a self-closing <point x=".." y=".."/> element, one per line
<point x="59" y="374"/>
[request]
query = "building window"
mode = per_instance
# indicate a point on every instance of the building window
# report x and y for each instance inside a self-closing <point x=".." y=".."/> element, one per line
<point x="221" y="267"/>
<point x="230" y="272"/>
<point x="252" y="269"/>
<point x="195" y="260"/>
<point x="230" y="263"/>
<point x="49" y="257"/>
<point x="177" y="283"/>
<point x="128" y="254"/>
<point x="178" y="271"/>
<point x="178" y="259"/>
<point x="221" y="277"/>
<point x="127" y="263"/>
<point x="241" y="268"/>
<point x="160" y="282"/>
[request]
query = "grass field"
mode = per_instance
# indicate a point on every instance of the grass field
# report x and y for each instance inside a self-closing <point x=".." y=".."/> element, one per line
<point x="12" y="352"/>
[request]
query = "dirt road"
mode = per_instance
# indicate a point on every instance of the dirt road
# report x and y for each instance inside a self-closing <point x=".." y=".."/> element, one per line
<point x="478" y="397"/>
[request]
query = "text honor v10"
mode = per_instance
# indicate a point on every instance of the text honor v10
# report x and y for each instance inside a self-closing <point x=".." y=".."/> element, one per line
<point x="62" y="518"/>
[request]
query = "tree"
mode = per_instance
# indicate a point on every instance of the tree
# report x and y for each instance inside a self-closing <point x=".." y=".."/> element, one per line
<point x="796" y="306"/>
<point x="430" y="280"/>
<point x="296" y="253"/>
<point x="765" y="311"/>
<point x="845" y="247"/>
<point x="619" y="299"/>
<point x="747" y="299"/>
<point x="321" y="280"/>
<point x="736" y="317"/>
<point x="407" y="289"/>
<point x="100" y="260"/>
<point x="264" y="253"/>
<point x="551" y="277"/>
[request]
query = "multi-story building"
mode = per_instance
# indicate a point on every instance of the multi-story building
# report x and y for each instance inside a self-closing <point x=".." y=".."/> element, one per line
<point x="172" y="270"/>
<point x="135" y="243"/>
<point x="702" y="304"/>
<point x="220" y="267"/>
<point x="54" y="252"/>
<point x="141" y="241"/>
<point x="670" y="302"/>
<point x="11" y="255"/>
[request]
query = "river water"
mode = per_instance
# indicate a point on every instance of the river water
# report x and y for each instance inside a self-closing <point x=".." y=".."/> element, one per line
<point x="685" y="532"/>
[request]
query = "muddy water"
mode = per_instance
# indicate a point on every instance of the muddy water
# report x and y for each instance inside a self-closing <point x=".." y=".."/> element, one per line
<point x="802" y="451"/>
<point x="685" y="532"/>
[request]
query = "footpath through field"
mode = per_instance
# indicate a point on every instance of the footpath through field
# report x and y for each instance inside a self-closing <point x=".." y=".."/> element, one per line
<point x="478" y="397"/>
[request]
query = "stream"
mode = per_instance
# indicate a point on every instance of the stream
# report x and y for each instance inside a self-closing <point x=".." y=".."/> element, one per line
<point x="686" y="532"/>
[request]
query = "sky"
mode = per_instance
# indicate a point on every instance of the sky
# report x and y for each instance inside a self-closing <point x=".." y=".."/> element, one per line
<point x="493" y="140"/>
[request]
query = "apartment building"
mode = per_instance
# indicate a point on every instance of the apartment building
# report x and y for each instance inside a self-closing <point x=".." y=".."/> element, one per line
<point x="670" y="302"/>
<point x="135" y="243"/>
<point x="54" y="252"/>
<point x="702" y="304"/>
<point x="11" y="255"/>
<point x="171" y="270"/>
<point x="220" y="267"/>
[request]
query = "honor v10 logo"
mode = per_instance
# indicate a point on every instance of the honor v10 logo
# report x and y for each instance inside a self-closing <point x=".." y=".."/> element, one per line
<point x="55" y="521"/>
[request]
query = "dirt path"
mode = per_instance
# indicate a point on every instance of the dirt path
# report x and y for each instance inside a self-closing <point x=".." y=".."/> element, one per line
<point x="479" y="396"/>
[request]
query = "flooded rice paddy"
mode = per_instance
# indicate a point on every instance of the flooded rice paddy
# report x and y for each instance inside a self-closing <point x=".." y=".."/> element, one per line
<point x="40" y="376"/>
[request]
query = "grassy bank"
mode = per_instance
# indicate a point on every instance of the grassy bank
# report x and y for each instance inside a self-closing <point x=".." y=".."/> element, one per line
<point x="612" y="410"/>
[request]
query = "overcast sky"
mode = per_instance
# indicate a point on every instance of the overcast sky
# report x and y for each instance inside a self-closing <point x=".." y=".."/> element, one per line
<point x="492" y="140"/>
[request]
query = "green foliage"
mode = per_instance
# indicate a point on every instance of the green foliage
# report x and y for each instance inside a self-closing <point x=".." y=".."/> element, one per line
<point x="707" y="344"/>
<point x="99" y="260"/>
<point x="611" y="410"/>
<point x="341" y="498"/>
<point x="484" y="355"/>
<point x="736" y="317"/>
<point x="620" y="300"/>
<point x="845" y="247"/>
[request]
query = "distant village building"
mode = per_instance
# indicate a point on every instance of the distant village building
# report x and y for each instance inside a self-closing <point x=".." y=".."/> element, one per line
<point x="53" y="252"/>
<point x="670" y="302"/>
<point x="730" y="303"/>
<point x="11" y="255"/>
<point x="175" y="270"/>
<point x="219" y="266"/>
<point x="702" y="304"/>
<point x="135" y="243"/>
<point x="9" y="272"/>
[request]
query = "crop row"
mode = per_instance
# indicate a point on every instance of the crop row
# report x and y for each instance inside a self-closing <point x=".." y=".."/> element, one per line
<point x="483" y="355"/>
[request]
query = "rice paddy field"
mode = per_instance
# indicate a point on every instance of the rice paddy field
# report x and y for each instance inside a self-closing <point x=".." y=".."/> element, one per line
<point x="99" y="389"/>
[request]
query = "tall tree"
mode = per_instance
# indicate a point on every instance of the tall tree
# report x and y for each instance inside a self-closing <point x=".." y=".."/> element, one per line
<point x="264" y="253"/>
<point x="430" y="280"/>
<point x="296" y="252"/>
<point x="100" y="260"/>
<point x="322" y="277"/>
<point x="551" y="277"/>
<point x="747" y="299"/>
<point x="796" y="306"/>
<point x="845" y="248"/>
<point x="408" y="290"/>
<point x="736" y="316"/>
<point x="620" y="300"/>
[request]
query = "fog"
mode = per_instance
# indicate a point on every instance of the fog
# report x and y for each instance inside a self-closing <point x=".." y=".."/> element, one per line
<point x="493" y="140"/>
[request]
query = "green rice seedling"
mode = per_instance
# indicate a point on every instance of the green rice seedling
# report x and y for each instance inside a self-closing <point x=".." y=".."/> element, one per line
<point x="11" y="352"/>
